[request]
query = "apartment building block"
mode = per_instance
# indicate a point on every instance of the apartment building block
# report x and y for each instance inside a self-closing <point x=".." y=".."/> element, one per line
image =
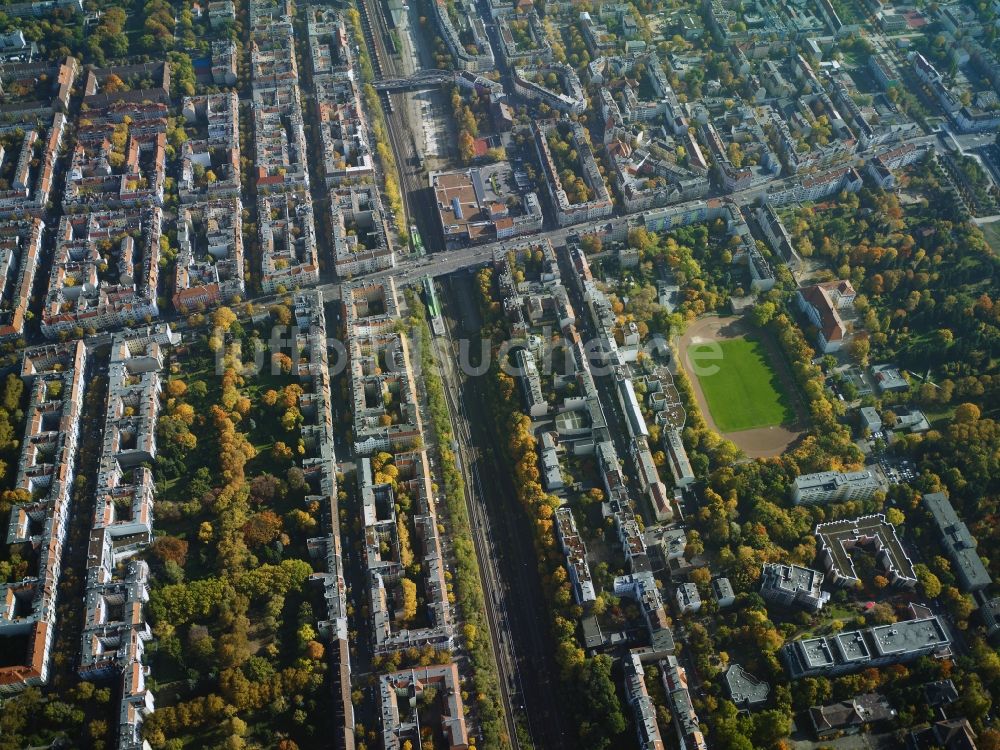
<point x="647" y="98"/>
<point x="30" y="186"/>
<point x="641" y="586"/>
<point x="573" y="213"/>
<point x="405" y="687"/>
<point x="115" y="631"/>
<point x="531" y="82"/>
<point x="958" y="542"/>
<point x="288" y="252"/>
<point x="20" y="251"/>
<point x="723" y="592"/>
<point x="55" y="376"/>
<point x="49" y="85"/>
<point x="347" y="153"/>
<point x="836" y="541"/>
<point x="464" y="33"/>
<point x="530" y="45"/>
<point x="575" y="551"/>
<point x="221" y="12"/>
<point x="387" y="420"/>
<point x="380" y="363"/>
<point x="209" y="267"/>
<point x="210" y="164"/>
<point x="686" y="722"/>
<point x="651" y="176"/>
<point x="224" y="62"/>
<point x="119" y="157"/>
<point x="105" y="271"/>
<point x="688" y="598"/>
<point x="816" y="187"/>
<point x="37" y="8"/>
<point x="637" y="695"/>
<point x="319" y="466"/>
<point x="620" y="508"/>
<point x="383" y="561"/>
<point x="359" y="231"/>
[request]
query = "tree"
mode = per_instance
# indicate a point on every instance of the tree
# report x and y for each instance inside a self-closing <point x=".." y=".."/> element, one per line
<point x="262" y="528"/>
<point x="223" y="317"/>
<point x="97" y="728"/>
<point x="175" y="435"/>
<point x="967" y="413"/>
<point x="859" y="349"/>
<point x="694" y="546"/>
<point x="13" y="389"/>
<point x="113" y="84"/>
<point x="170" y="548"/>
<point x="296" y="478"/>
<point x="895" y="516"/>
<point x="735" y="154"/>
<point x="281" y="361"/>
<point x="591" y="243"/>
<point x="763" y="313"/>
<point x="291" y="419"/>
<point x="205" y="532"/>
<point x="466" y="147"/>
<point x="975" y="701"/>
<point x="299" y="520"/>
<point x="701" y="576"/>
<point x="281" y="314"/>
<point x="929" y="583"/>
<point x="989" y="739"/>
<point x="604" y="719"/>
<point x="770" y="726"/>
<point x="409" y="599"/>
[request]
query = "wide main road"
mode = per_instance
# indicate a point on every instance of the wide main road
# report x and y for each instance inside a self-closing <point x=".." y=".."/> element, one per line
<point x="411" y="269"/>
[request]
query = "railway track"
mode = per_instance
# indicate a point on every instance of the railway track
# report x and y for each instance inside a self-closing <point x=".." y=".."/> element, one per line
<point x="493" y="589"/>
<point x="381" y="64"/>
<point x="504" y="542"/>
<point x="418" y="206"/>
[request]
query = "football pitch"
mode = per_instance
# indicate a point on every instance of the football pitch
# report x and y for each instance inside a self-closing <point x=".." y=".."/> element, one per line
<point x="742" y="390"/>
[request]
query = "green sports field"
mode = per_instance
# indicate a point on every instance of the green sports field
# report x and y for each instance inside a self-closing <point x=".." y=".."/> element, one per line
<point x="744" y="392"/>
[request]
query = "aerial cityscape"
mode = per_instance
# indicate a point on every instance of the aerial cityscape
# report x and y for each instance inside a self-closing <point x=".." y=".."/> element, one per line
<point x="500" y="374"/>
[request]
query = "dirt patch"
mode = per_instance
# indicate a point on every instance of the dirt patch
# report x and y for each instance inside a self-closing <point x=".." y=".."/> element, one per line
<point x="761" y="442"/>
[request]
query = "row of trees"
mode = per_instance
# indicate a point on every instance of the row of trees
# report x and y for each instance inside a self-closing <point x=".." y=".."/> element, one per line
<point x="468" y="583"/>
<point x="586" y="682"/>
<point x="376" y="117"/>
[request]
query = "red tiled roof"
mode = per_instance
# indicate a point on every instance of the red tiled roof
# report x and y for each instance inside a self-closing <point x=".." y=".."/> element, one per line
<point x="831" y="325"/>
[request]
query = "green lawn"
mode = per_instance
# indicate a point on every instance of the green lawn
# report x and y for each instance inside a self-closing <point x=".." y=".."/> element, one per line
<point x="992" y="233"/>
<point x="744" y="392"/>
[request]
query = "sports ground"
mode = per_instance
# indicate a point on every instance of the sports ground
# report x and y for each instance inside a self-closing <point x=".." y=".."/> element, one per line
<point x="742" y="385"/>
